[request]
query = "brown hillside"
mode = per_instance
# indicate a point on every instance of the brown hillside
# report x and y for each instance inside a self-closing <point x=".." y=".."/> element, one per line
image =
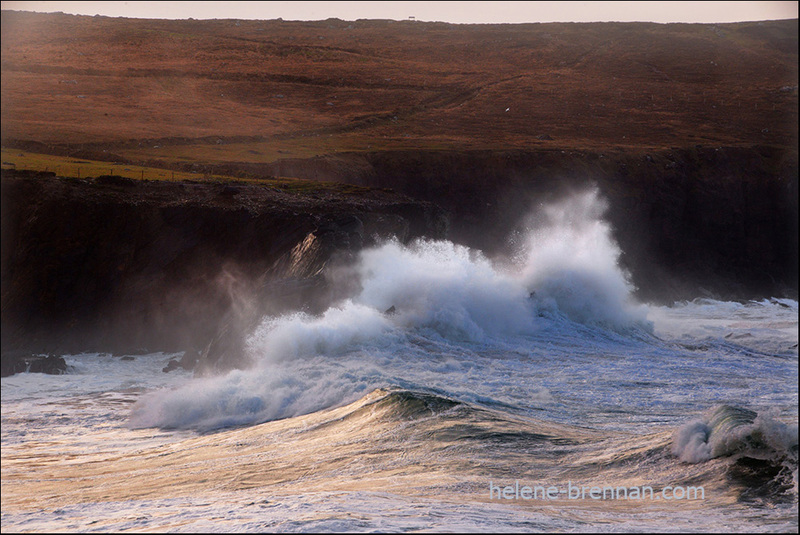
<point x="245" y="90"/>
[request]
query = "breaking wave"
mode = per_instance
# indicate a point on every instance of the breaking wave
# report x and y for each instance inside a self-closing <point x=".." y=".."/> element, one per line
<point x="726" y="430"/>
<point x="412" y="306"/>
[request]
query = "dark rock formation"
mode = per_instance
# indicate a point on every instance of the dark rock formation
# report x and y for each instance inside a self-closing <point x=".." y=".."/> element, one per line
<point x="112" y="265"/>
<point x="13" y="362"/>
<point x="24" y="362"/>
<point x="173" y="364"/>
<point x="51" y="364"/>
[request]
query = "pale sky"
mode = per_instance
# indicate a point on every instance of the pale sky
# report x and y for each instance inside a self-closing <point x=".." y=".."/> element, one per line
<point x="455" y="12"/>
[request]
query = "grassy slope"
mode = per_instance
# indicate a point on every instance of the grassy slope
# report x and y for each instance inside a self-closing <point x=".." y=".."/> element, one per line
<point x="259" y="91"/>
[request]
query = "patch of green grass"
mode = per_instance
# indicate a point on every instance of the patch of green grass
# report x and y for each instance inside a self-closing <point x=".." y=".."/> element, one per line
<point x="70" y="167"/>
<point x="65" y="166"/>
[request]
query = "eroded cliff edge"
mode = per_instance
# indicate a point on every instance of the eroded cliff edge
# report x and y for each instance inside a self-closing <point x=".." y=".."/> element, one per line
<point x="112" y="264"/>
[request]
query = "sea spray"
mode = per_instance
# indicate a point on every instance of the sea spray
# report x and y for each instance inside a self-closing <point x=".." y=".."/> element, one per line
<point x="243" y="397"/>
<point x="571" y="261"/>
<point x="412" y="306"/>
<point x="443" y="287"/>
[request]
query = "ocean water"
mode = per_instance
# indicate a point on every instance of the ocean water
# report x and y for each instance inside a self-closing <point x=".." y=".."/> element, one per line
<point x="486" y="377"/>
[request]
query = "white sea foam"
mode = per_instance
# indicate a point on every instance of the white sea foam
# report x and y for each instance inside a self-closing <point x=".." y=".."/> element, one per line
<point x="768" y="326"/>
<point x="570" y="266"/>
<point x="444" y="288"/>
<point x="246" y="397"/>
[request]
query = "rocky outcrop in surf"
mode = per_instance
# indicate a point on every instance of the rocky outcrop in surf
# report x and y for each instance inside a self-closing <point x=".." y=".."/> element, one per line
<point x="24" y="362"/>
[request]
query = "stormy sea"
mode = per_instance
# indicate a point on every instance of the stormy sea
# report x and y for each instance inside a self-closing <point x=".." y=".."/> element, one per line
<point x="443" y="391"/>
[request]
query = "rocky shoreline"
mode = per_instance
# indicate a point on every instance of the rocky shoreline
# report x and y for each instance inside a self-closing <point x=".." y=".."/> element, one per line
<point x="109" y="264"/>
<point x="114" y="264"/>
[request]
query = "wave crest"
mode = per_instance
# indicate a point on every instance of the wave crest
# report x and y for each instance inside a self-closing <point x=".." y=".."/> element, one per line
<point x="727" y="430"/>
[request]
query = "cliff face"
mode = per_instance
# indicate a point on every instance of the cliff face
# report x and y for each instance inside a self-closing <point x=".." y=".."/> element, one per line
<point x="116" y="264"/>
<point x="694" y="221"/>
<point x="111" y="264"/>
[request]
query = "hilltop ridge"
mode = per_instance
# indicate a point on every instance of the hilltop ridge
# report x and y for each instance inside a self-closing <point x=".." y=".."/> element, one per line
<point x="268" y="88"/>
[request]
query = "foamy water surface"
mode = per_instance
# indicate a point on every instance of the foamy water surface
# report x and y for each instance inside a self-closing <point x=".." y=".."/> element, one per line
<point x="540" y="369"/>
